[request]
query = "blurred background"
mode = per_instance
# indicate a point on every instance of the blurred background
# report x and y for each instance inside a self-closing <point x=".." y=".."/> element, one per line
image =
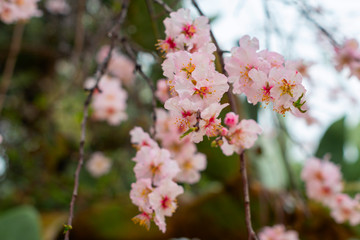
<point x="41" y="115"/>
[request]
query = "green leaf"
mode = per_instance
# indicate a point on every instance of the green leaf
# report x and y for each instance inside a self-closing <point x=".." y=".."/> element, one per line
<point x="333" y="142"/>
<point x="20" y="223"/>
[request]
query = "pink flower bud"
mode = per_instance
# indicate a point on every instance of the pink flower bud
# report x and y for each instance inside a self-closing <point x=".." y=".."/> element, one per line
<point x="231" y="119"/>
<point x="224" y="131"/>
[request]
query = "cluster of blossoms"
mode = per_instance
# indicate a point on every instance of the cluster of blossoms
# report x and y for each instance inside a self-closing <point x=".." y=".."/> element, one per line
<point x="98" y="164"/>
<point x="154" y="191"/>
<point x="277" y="232"/>
<point x="195" y="85"/>
<point x="109" y="103"/>
<point x="184" y="33"/>
<point x="18" y="10"/>
<point x="119" y="66"/>
<point x="182" y="150"/>
<point x="348" y="55"/>
<point x="60" y="7"/>
<point x="264" y="77"/>
<point x="324" y="184"/>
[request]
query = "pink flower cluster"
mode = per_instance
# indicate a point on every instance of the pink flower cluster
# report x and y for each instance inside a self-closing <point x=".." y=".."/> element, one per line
<point x="348" y="55"/>
<point x="277" y="232"/>
<point x="182" y="150"/>
<point x="109" y="103"/>
<point x="184" y="33"/>
<point x="240" y="135"/>
<point x="262" y="77"/>
<point x="154" y="191"/>
<point x="196" y="86"/>
<point x="324" y="183"/>
<point x="120" y="66"/>
<point x="18" y="10"/>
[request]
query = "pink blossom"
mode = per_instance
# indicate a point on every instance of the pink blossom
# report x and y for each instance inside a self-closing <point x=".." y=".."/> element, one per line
<point x="57" y="7"/>
<point x="323" y="180"/>
<point x="240" y="137"/>
<point x="110" y="103"/>
<point x="163" y="201"/>
<point x="98" y="164"/>
<point x="155" y="163"/>
<point x="209" y="125"/>
<point x="346" y="54"/>
<point x="243" y="59"/>
<point x="278" y="232"/>
<point x="162" y="90"/>
<point x="231" y="119"/>
<point x="190" y="165"/>
<point x="15" y="10"/>
<point x="183" y="110"/>
<point x="287" y="88"/>
<point x="139" y="194"/>
<point x="141" y="138"/>
<point x="344" y="208"/>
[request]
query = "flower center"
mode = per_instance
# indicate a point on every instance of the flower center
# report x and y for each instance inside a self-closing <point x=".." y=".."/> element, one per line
<point x="189" y="30"/>
<point x="189" y="69"/>
<point x="202" y="91"/>
<point x="286" y="87"/>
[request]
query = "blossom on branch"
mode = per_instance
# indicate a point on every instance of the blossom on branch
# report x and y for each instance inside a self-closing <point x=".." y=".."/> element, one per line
<point x="278" y="232"/>
<point x="18" y="10"/>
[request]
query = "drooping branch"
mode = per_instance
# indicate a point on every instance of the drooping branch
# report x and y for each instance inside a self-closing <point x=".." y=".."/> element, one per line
<point x="251" y="233"/>
<point x="112" y="34"/>
<point x="11" y="61"/>
<point x="130" y="51"/>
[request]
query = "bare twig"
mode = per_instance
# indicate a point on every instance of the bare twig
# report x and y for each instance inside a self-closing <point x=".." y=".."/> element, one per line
<point x="138" y="68"/>
<point x="164" y="5"/>
<point x="11" y="61"/>
<point x="305" y="11"/>
<point x="112" y="34"/>
<point x="251" y="233"/>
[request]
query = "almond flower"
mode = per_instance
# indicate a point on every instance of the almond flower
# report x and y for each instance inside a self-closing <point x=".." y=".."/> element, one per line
<point x="323" y="180"/>
<point x="240" y="136"/>
<point x="14" y="10"/>
<point x="184" y="33"/>
<point x="277" y="232"/>
<point x="98" y="164"/>
<point x="156" y="164"/>
<point x="163" y="201"/>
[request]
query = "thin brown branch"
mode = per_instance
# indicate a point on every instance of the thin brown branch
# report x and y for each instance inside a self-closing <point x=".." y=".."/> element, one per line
<point x="11" y="61"/>
<point x="112" y="34"/>
<point x="130" y="51"/>
<point x="251" y="232"/>
<point x="164" y="5"/>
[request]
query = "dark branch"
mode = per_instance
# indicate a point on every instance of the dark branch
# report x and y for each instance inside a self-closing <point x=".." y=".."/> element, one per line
<point x="130" y="51"/>
<point x="112" y="34"/>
